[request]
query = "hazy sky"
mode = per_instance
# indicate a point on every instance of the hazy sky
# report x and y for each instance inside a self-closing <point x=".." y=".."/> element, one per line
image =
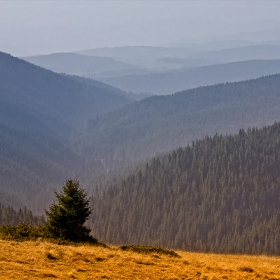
<point x="33" y="27"/>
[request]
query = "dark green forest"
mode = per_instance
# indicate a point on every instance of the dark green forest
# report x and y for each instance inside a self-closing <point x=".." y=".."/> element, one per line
<point x="10" y="216"/>
<point x="219" y="194"/>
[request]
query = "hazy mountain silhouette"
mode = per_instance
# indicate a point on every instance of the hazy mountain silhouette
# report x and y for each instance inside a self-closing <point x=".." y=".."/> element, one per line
<point x="170" y="82"/>
<point x="73" y="63"/>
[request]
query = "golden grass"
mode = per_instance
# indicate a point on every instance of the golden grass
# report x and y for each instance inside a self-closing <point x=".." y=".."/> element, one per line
<point x="39" y="260"/>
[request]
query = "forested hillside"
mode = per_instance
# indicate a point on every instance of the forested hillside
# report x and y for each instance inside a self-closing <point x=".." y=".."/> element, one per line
<point x="112" y="89"/>
<point x="64" y="99"/>
<point x="161" y="123"/>
<point x="9" y="216"/>
<point x="219" y="194"/>
<point x="39" y="111"/>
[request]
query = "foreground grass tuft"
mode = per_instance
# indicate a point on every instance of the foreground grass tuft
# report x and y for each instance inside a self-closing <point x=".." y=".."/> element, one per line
<point x="149" y="250"/>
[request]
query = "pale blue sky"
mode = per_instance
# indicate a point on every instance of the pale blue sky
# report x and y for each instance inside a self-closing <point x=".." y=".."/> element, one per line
<point x="32" y="27"/>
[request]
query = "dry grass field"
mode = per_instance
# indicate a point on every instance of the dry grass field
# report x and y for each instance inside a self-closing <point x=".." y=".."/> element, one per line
<point x="40" y="260"/>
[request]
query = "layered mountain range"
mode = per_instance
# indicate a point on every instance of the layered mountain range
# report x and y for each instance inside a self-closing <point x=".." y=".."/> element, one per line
<point x="40" y="110"/>
<point x="55" y="126"/>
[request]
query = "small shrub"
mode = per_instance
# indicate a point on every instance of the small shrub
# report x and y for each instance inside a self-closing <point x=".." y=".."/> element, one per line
<point x="246" y="269"/>
<point x="21" y="232"/>
<point x="148" y="250"/>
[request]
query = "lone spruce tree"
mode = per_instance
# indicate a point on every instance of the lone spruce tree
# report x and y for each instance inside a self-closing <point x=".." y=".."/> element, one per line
<point x="66" y="218"/>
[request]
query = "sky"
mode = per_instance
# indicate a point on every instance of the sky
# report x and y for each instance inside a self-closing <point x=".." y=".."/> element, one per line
<point x="41" y="27"/>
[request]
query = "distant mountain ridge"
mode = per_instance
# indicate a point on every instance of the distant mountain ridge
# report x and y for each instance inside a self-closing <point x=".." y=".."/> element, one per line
<point x="262" y="51"/>
<point x="138" y="54"/>
<point x="171" y="82"/>
<point x="77" y="64"/>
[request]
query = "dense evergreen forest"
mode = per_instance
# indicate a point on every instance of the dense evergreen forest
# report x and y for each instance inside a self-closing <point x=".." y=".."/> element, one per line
<point x="10" y="216"/>
<point x="219" y="194"/>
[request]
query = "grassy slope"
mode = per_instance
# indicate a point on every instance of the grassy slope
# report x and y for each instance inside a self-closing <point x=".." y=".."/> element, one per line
<point x="35" y="260"/>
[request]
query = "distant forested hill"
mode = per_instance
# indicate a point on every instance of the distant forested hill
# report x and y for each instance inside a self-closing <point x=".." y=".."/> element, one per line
<point x="59" y="96"/>
<point x="219" y="194"/>
<point x="112" y="89"/>
<point x="77" y="64"/>
<point x="138" y="55"/>
<point x="171" y="82"/>
<point x="161" y="123"/>
<point x="261" y="51"/>
<point x="39" y="111"/>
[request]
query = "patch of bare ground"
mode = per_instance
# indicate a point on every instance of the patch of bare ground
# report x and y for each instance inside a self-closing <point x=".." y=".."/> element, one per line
<point x="40" y="260"/>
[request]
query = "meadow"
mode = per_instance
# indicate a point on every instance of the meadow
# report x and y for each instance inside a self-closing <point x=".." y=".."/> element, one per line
<point x="43" y="260"/>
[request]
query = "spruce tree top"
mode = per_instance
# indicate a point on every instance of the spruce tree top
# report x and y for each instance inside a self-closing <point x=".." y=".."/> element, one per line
<point x="67" y="216"/>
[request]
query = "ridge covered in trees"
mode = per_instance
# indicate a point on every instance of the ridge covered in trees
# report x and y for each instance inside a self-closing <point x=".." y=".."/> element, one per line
<point x="219" y="194"/>
<point x="10" y="216"/>
<point x="161" y="123"/>
<point x="39" y="111"/>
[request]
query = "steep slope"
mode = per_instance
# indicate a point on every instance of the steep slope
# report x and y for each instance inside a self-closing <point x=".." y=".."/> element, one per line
<point x="34" y="159"/>
<point x="39" y="111"/>
<point x="103" y="86"/>
<point x="59" y="96"/>
<point x="219" y="194"/>
<point x="160" y="123"/>
<point x="166" y="83"/>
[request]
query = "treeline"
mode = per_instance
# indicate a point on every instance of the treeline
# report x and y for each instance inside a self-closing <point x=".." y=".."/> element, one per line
<point x="10" y="216"/>
<point x="220" y="194"/>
